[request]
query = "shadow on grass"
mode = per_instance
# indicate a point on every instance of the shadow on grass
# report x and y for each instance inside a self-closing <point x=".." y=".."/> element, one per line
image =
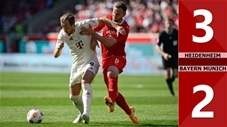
<point x="103" y="124"/>
<point x="92" y="124"/>
<point x="153" y="125"/>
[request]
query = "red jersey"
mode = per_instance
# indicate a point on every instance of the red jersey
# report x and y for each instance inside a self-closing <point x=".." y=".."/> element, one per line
<point x="117" y="49"/>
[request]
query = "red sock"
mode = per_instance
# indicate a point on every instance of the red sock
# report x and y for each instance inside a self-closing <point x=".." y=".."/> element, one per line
<point x="112" y="89"/>
<point x="120" y="100"/>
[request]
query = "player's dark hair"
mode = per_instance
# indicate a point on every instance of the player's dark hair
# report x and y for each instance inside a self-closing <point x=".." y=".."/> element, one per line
<point x="68" y="17"/>
<point x="121" y="5"/>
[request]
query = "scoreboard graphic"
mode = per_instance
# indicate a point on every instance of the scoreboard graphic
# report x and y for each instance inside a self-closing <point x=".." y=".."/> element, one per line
<point x="202" y="63"/>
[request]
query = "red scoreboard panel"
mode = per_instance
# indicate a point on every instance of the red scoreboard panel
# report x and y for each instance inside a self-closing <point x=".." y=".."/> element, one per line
<point x="202" y="63"/>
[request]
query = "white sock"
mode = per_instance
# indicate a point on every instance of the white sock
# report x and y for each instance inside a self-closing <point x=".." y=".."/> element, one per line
<point x="77" y="102"/>
<point x="86" y="98"/>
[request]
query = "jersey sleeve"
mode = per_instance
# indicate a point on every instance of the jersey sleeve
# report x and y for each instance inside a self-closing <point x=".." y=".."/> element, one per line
<point x="159" y="41"/>
<point x="100" y="26"/>
<point x="92" y="22"/>
<point x="60" y="38"/>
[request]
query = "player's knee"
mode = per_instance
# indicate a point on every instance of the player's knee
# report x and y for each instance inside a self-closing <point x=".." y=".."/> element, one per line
<point x="74" y="98"/>
<point x="84" y="81"/>
<point x="87" y="80"/>
<point x="112" y="71"/>
<point x="111" y="74"/>
<point x="175" y="73"/>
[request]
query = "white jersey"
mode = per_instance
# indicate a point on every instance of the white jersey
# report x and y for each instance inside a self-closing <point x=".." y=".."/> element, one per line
<point x="78" y="44"/>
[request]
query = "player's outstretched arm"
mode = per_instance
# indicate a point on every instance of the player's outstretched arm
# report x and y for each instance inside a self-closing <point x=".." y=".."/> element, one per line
<point x="110" y="23"/>
<point x="108" y="42"/>
<point x="58" y="48"/>
<point x="94" y="43"/>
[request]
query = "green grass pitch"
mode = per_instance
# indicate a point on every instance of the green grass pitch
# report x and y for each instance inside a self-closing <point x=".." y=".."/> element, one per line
<point x="21" y="92"/>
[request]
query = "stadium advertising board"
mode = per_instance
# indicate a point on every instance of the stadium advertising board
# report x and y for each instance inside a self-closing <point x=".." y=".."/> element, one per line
<point x="142" y="57"/>
<point x="202" y="63"/>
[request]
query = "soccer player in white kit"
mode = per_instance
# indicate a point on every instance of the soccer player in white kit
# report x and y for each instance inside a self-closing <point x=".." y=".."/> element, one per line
<point x="85" y="63"/>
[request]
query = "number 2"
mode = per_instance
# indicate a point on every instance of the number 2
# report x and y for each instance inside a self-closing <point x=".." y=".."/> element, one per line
<point x="197" y="113"/>
<point x="204" y="25"/>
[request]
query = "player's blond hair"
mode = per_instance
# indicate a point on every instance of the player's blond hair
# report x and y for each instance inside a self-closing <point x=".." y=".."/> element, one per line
<point x="67" y="17"/>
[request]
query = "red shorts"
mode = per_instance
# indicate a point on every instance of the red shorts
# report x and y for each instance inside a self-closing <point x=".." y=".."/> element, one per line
<point x="118" y="61"/>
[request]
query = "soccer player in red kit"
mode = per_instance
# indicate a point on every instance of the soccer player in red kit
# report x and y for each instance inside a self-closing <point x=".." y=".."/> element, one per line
<point x="114" y="58"/>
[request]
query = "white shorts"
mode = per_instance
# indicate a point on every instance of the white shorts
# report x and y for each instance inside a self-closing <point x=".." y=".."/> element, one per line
<point x="78" y="72"/>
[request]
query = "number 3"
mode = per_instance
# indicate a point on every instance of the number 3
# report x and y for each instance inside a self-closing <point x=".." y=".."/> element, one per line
<point x="197" y="113"/>
<point x="204" y="25"/>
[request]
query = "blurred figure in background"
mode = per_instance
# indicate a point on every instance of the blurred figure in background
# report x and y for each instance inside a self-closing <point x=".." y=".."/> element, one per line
<point x="30" y="47"/>
<point x="167" y="46"/>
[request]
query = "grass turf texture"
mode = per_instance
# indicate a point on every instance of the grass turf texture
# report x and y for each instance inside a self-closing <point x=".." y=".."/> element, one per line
<point x="21" y="92"/>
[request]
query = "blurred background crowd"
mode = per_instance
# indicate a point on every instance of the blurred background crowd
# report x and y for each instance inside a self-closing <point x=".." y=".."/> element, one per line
<point x="24" y="19"/>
